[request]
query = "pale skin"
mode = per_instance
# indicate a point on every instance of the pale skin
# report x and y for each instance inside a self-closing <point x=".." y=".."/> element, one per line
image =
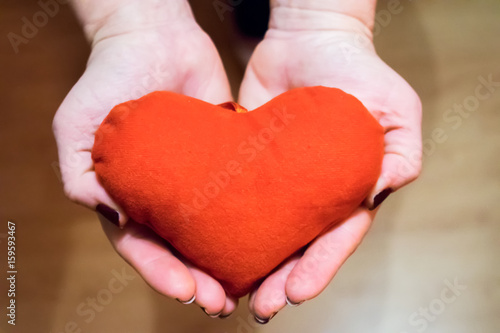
<point x="309" y="42"/>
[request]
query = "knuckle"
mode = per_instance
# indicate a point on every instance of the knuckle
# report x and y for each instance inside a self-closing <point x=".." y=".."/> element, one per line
<point x="412" y="170"/>
<point x="71" y="191"/>
<point x="57" y="123"/>
<point x="407" y="168"/>
<point x="413" y="175"/>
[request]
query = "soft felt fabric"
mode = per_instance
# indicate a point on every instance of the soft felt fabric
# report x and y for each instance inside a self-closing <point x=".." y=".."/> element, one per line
<point x="236" y="193"/>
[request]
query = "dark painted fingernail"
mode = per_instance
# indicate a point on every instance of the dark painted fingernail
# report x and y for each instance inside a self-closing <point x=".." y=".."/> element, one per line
<point x="225" y="316"/>
<point x="110" y="214"/>
<point x="263" y="321"/>
<point x="379" y="198"/>
<point x="211" y="315"/>
<point x="188" y="301"/>
<point x="289" y="302"/>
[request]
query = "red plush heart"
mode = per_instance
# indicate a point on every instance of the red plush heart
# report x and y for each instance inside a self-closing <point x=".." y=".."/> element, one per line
<point x="236" y="193"/>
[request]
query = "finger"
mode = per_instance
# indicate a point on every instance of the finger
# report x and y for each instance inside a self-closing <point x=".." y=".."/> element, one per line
<point x="82" y="187"/>
<point x="210" y="295"/>
<point x="251" y="299"/>
<point x="324" y="257"/>
<point x="402" y="144"/>
<point x="270" y="296"/>
<point x="88" y="191"/>
<point x="230" y="306"/>
<point x="75" y="161"/>
<point x="147" y="253"/>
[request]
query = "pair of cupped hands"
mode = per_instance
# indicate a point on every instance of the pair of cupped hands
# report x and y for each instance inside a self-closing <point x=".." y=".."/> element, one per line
<point x="131" y="58"/>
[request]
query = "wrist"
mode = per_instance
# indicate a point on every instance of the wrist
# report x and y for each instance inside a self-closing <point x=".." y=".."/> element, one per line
<point x="101" y="19"/>
<point x="309" y="15"/>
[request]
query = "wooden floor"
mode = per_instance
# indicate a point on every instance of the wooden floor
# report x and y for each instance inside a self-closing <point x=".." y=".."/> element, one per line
<point x="430" y="263"/>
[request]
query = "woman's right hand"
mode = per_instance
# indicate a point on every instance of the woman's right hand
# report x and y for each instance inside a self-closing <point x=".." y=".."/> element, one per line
<point x="138" y="47"/>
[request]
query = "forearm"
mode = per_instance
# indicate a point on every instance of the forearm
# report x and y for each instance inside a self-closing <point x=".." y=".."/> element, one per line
<point x="111" y="17"/>
<point x="321" y="14"/>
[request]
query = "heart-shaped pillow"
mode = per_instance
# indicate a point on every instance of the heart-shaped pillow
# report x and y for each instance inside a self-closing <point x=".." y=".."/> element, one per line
<point x="236" y="193"/>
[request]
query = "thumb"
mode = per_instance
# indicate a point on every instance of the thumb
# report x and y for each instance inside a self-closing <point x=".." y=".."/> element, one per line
<point x="81" y="184"/>
<point x="402" y="160"/>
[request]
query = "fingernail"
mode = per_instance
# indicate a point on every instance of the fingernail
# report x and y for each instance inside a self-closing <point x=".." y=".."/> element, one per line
<point x="379" y="198"/>
<point x="110" y="214"/>
<point x="211" y="315"/>
<point x="188" y="301"/>
<point x="260" y="320"/>
<point x="263" y="321"/>
<point x="289" y="302"/>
